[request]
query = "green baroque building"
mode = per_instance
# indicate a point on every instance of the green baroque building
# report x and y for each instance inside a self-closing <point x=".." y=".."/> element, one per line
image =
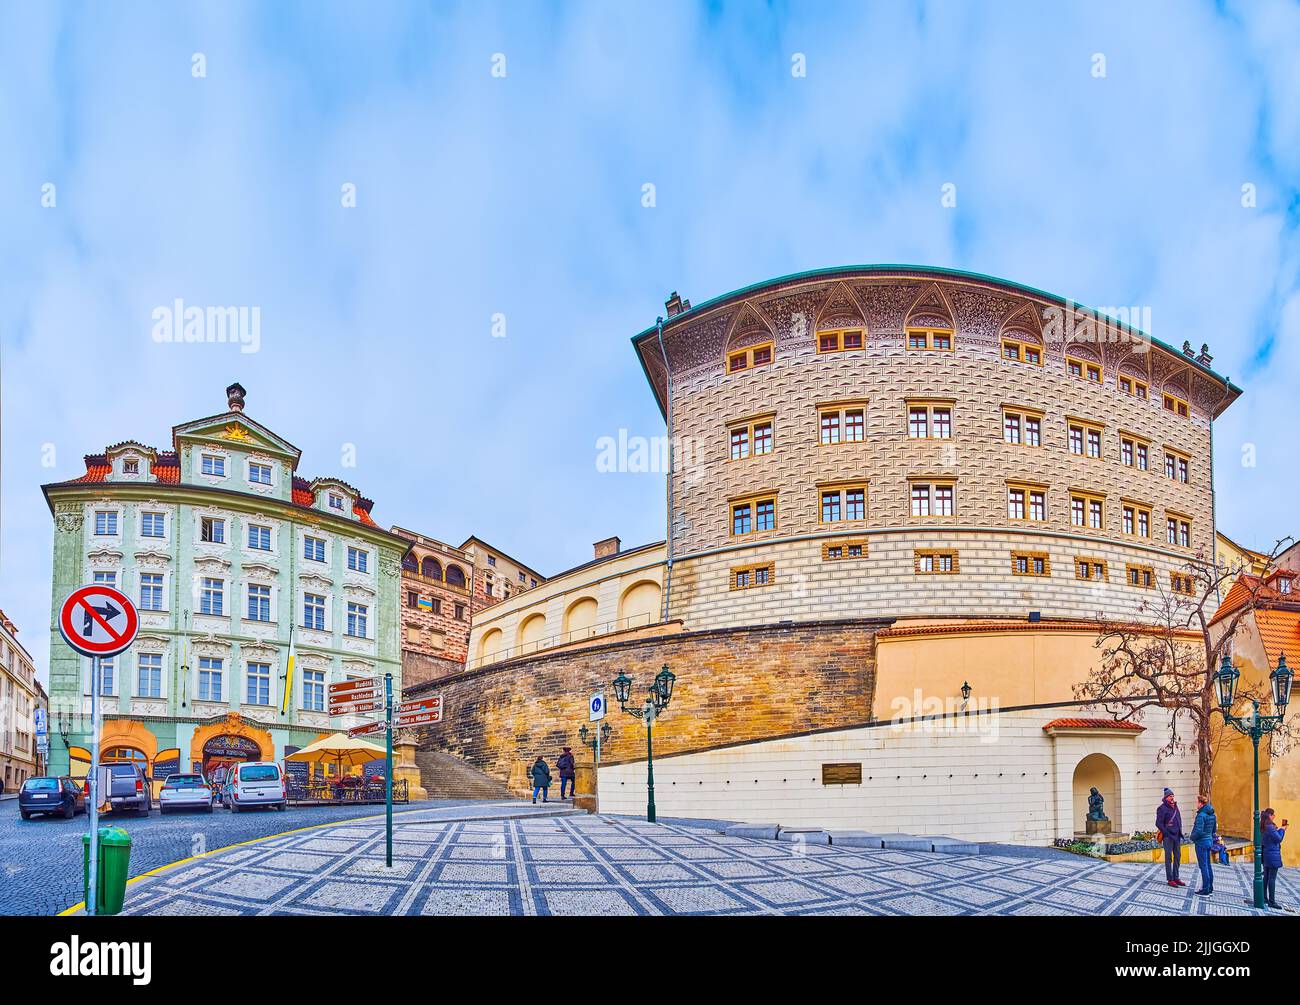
<point x="229" y="555"/>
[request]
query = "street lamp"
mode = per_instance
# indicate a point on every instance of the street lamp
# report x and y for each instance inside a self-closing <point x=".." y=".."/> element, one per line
<point x="1255" y="726"/>
<point x="661" y="693"/>
<point x="965" y="690"/>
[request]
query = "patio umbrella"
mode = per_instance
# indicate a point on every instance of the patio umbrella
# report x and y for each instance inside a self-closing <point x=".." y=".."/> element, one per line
<point x="341" y="749"/>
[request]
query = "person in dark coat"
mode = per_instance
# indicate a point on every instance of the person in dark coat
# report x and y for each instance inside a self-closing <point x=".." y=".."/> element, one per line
<point x="1271" y="836"/>
<point x="565" y="763"/>
<point x="1220" y="850"/>
<point x="1169" y="825"/>
<point x="541" y="779"/>
<point x="1202" y="838"/>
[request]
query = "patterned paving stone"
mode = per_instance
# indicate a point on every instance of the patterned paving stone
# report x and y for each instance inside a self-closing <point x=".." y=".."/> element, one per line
<point x="607" y="866"/>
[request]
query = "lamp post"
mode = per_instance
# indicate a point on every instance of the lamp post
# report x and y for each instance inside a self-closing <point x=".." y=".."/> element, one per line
<point x="598" y="739"/>
<point x="661" y="693"/>
<point x="1255" y="726"/>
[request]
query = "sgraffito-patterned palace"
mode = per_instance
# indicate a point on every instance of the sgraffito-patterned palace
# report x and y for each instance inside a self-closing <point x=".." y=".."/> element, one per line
<point x="909" y="495"/>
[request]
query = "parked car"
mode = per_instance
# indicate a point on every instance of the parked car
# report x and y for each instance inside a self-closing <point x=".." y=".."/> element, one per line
<point x="128" y="788"/>
<point x="51" y="795"/>
<point x="255" y="783"/>
<point x="185" y="792"/>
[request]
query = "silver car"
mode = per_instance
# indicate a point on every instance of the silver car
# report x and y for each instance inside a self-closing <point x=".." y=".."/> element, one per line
<point x="185" y="792"/>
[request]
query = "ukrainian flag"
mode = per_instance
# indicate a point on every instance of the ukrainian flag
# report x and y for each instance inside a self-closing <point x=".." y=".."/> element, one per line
<point x="425" y="603"/>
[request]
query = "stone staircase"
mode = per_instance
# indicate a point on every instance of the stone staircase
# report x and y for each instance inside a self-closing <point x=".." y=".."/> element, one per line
<point x="447" y="777"/>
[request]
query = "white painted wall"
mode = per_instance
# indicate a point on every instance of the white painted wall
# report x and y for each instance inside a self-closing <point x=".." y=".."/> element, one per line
<point x="1009" y="780"/>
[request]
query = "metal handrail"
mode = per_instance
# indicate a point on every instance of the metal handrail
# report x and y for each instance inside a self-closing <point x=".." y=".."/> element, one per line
<point x="564" y="638"/>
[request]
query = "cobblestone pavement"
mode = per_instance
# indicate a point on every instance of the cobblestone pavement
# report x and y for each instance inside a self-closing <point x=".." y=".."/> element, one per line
<point x="583" y="865"/>
<point x="40" y="859"/>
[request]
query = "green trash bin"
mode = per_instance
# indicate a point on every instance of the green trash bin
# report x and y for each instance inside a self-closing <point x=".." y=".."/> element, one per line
<point x="114" y="864"/>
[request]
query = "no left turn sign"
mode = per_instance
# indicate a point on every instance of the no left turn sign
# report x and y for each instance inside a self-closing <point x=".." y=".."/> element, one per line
<point x="98" y="621"/>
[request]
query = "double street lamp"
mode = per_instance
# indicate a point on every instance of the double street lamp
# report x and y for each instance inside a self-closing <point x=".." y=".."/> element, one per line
<point x="1255" y="726"/>
<point x="660" y="694"/>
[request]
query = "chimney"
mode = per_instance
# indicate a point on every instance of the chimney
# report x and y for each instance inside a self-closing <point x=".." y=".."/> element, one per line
<point x="609" y="546"/>
<point x="674" y="304"/>
<point x="235" y="397"/>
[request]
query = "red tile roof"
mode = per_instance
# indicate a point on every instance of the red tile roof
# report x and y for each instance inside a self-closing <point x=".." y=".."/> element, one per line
<point x="1093" y="724"/>
<point x="1279" y="631"/>
<point x="1265" y="596"/>
<point x="167" y="469"/>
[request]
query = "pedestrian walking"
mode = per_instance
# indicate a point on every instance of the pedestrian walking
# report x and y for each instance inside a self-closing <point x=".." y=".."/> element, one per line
<point x="1202" y="836"/>
<point x="1271" y="836"/>
<point x="541" y="779"/>
<point x="565" y="763"/>
<point x="1169" y="825"/>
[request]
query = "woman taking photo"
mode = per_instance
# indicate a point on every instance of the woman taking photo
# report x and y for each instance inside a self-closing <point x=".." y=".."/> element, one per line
<point x="1271" y="837"/>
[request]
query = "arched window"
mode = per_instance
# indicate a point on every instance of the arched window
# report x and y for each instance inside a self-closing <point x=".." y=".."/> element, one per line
<point x="431" y="568"/>
<point x="455" y="576"/>
<point x="409" y="563"/>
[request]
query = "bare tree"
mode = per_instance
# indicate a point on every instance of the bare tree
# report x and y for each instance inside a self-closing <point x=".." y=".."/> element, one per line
<point x="1167" y="657"/>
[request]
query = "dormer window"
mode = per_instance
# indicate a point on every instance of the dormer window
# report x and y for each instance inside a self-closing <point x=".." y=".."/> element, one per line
<point x="131" y="466"/>
<point x="259" y="474"/>
<point x="336" y="501"/>
<point x="1283" y="584"/>
<point x="213" y="464"/>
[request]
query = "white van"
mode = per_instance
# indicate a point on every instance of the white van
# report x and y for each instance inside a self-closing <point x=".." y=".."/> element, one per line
<point x="255" y="783"/>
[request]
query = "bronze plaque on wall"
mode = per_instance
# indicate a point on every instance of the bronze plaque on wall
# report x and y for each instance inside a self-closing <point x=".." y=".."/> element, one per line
<point x="842" y="774"/>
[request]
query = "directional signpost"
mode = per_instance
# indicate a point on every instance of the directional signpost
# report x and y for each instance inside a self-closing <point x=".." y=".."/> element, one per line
<point x="419" y="712"/>
<point x="97" y="621"/>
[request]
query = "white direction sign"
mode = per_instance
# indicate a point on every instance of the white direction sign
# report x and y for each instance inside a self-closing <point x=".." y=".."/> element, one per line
<point x="353" y="708"/>
<point x="597" y="706"/>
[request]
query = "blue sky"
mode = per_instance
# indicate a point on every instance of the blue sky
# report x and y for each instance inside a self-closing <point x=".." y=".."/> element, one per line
<point x="521" y="195"/>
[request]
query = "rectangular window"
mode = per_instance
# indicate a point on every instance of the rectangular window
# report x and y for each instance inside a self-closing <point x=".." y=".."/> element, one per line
<point x="413" y="598"/>
<point x="151" y="591"/>
<point x="1085" y="438"/>
<point x="939" y="339"/>
<point x="751" y="438"/>
<point x="1137" y="519"/>
<point x="1087" y="511"/>
<point x="106" y="523"/>
<point x="854" y="425"/>
<point x="1142" y="576"/>
<point x="740" y="443"/>
<point x="1134" y="387"/>
<point x="313" y="690"/>
<point x="212" y="596"/>
<point x="105" y="579"/>
<point x="358" y="560"/>
<point x="843" y="502"/>
<point x="1179" y="532"/>
<point x="460" y="610"/>
<point x="1182" y="583"/>
<point x="1030" y="563"/>
<point x="358" y="615"/>
<point x="211" y="464"/>
<point x="1126" y="452"/>
<point x="152" y="525"/>
<point x="335" y="501"/>
<point x="1012" y="427"/>
<point x="259" y="474"/>
<point x="1176" y="405"/>
<point x="751" y="515"/>
<point x="747" y="359"/>
<point x="837" y="341"/>
<point x="1026" y="502"/>
<point x="930" y="562"/>
<point x="259" y="537"/>
<point x="313" y="611"/>
<point x="830" y="427"/>
<point x="259" y="603"/>
<point x="762" y="434"/>
<point x="1143" y="457"/>
<point x="149" y="675"/>
<point x="313" y="549"/>
<point x="131" y="467"/>
<point x="1082" y="369"/>
<point x="751" y="576"/>
<point x="844" y="549"/>
<point x="1177" y="467"/>
<point x="928" y="420"/>
<point x="257" y="677"/>
<point x="212" y="530"/>
<point x="1021" y="352"/>
<point x="107" y="676"/>
<point x="1090" y="568"/>
<point x="210" y="679"/>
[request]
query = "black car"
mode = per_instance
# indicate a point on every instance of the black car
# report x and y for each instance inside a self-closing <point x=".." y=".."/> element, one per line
<point x="51" y="795"/>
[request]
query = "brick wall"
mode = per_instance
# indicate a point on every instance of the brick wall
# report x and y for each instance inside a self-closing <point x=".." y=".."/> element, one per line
<point x="732" y="686"/>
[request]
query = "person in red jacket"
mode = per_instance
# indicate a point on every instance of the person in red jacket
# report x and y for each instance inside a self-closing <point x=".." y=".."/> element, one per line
<point x="1169" y="825"/>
